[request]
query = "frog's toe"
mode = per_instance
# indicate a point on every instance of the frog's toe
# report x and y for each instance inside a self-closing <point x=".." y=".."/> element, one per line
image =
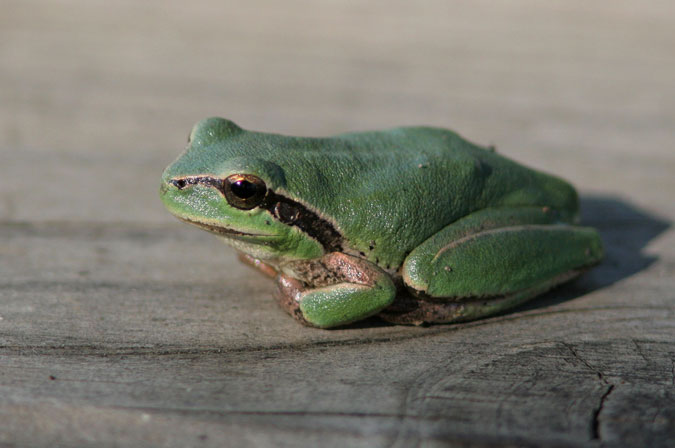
<point x="287" y="296"/>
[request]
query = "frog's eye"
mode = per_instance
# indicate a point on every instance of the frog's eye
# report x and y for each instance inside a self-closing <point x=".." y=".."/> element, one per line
<point x="244" y="191"/>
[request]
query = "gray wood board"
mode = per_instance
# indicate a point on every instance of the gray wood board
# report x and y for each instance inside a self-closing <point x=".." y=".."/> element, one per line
<point x="122" y="327"/>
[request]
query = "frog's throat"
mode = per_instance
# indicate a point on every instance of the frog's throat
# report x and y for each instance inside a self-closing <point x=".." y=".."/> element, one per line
<point x="285" y="210"/>
<point x="218" y="229"/>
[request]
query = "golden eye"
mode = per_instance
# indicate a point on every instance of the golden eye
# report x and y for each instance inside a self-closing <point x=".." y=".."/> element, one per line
<point x="244" y="191"/>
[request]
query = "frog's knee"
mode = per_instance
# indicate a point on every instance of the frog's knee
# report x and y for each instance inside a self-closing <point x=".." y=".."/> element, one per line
<point x="415" y="270"/>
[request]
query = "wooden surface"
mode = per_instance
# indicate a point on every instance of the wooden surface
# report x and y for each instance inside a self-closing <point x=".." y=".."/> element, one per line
<point x="122" y="327"/>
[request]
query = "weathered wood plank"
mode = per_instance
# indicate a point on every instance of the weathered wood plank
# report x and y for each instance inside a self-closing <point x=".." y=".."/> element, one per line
<point x="120" y="327"/>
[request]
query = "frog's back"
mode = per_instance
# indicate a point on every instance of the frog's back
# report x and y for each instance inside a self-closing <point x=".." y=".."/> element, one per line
<point x="393" y="189"/>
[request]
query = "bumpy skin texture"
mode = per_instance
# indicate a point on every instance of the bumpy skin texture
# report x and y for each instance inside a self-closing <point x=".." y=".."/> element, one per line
<point x="415" y="223"/>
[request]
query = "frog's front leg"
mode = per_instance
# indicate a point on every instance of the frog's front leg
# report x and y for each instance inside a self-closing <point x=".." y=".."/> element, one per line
<point x="258" y="264"/>
<point x="336" y="289"/>
<point x="492" y="260"/>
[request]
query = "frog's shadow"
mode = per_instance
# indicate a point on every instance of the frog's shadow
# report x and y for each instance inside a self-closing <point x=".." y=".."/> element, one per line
<point x="625" y="230"/>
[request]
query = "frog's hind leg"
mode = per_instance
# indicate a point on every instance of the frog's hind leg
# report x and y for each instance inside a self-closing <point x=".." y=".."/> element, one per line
<point x="490" y="261"/>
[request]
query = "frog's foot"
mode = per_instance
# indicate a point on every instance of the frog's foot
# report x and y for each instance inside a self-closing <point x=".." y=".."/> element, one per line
<point x="335" y="290"/>
<point x="490" y="261"/>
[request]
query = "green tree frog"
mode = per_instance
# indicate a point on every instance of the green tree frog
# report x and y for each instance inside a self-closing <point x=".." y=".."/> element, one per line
<point x="414" y="224"/>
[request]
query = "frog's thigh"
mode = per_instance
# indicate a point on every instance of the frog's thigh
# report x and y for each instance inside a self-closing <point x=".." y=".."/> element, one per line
<point x="508" y="255"/>
<point x="364" y="290"/>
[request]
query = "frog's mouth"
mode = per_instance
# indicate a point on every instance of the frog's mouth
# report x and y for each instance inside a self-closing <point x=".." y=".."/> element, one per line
<point x="222" y="230"/>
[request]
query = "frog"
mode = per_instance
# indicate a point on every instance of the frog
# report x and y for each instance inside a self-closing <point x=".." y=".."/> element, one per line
<point x="416" y="225"/>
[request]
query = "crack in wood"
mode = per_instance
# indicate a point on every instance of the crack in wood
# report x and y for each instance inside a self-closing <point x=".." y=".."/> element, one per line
<point x="584" y="362"/>
<point x="595" y="419"/>
<point x="596" y="414"/>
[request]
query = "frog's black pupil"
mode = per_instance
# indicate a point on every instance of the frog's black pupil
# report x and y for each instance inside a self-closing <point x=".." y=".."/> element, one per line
<point x="244" y="189"/>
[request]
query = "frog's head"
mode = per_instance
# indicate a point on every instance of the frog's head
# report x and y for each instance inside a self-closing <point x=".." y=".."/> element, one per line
<point x="223" y="185"/>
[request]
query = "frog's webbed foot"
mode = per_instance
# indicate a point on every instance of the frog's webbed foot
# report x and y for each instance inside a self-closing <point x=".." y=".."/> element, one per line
<point x="337" y="289"/>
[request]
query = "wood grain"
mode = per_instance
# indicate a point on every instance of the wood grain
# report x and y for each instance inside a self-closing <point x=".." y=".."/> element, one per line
<point x="121" y="327"/>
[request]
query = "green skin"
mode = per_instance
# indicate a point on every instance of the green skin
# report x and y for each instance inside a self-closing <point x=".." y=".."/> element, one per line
<point x="416" y="224"/>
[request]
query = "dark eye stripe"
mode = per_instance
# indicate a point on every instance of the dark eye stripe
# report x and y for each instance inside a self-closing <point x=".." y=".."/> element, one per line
<point x="293" y="213"/>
